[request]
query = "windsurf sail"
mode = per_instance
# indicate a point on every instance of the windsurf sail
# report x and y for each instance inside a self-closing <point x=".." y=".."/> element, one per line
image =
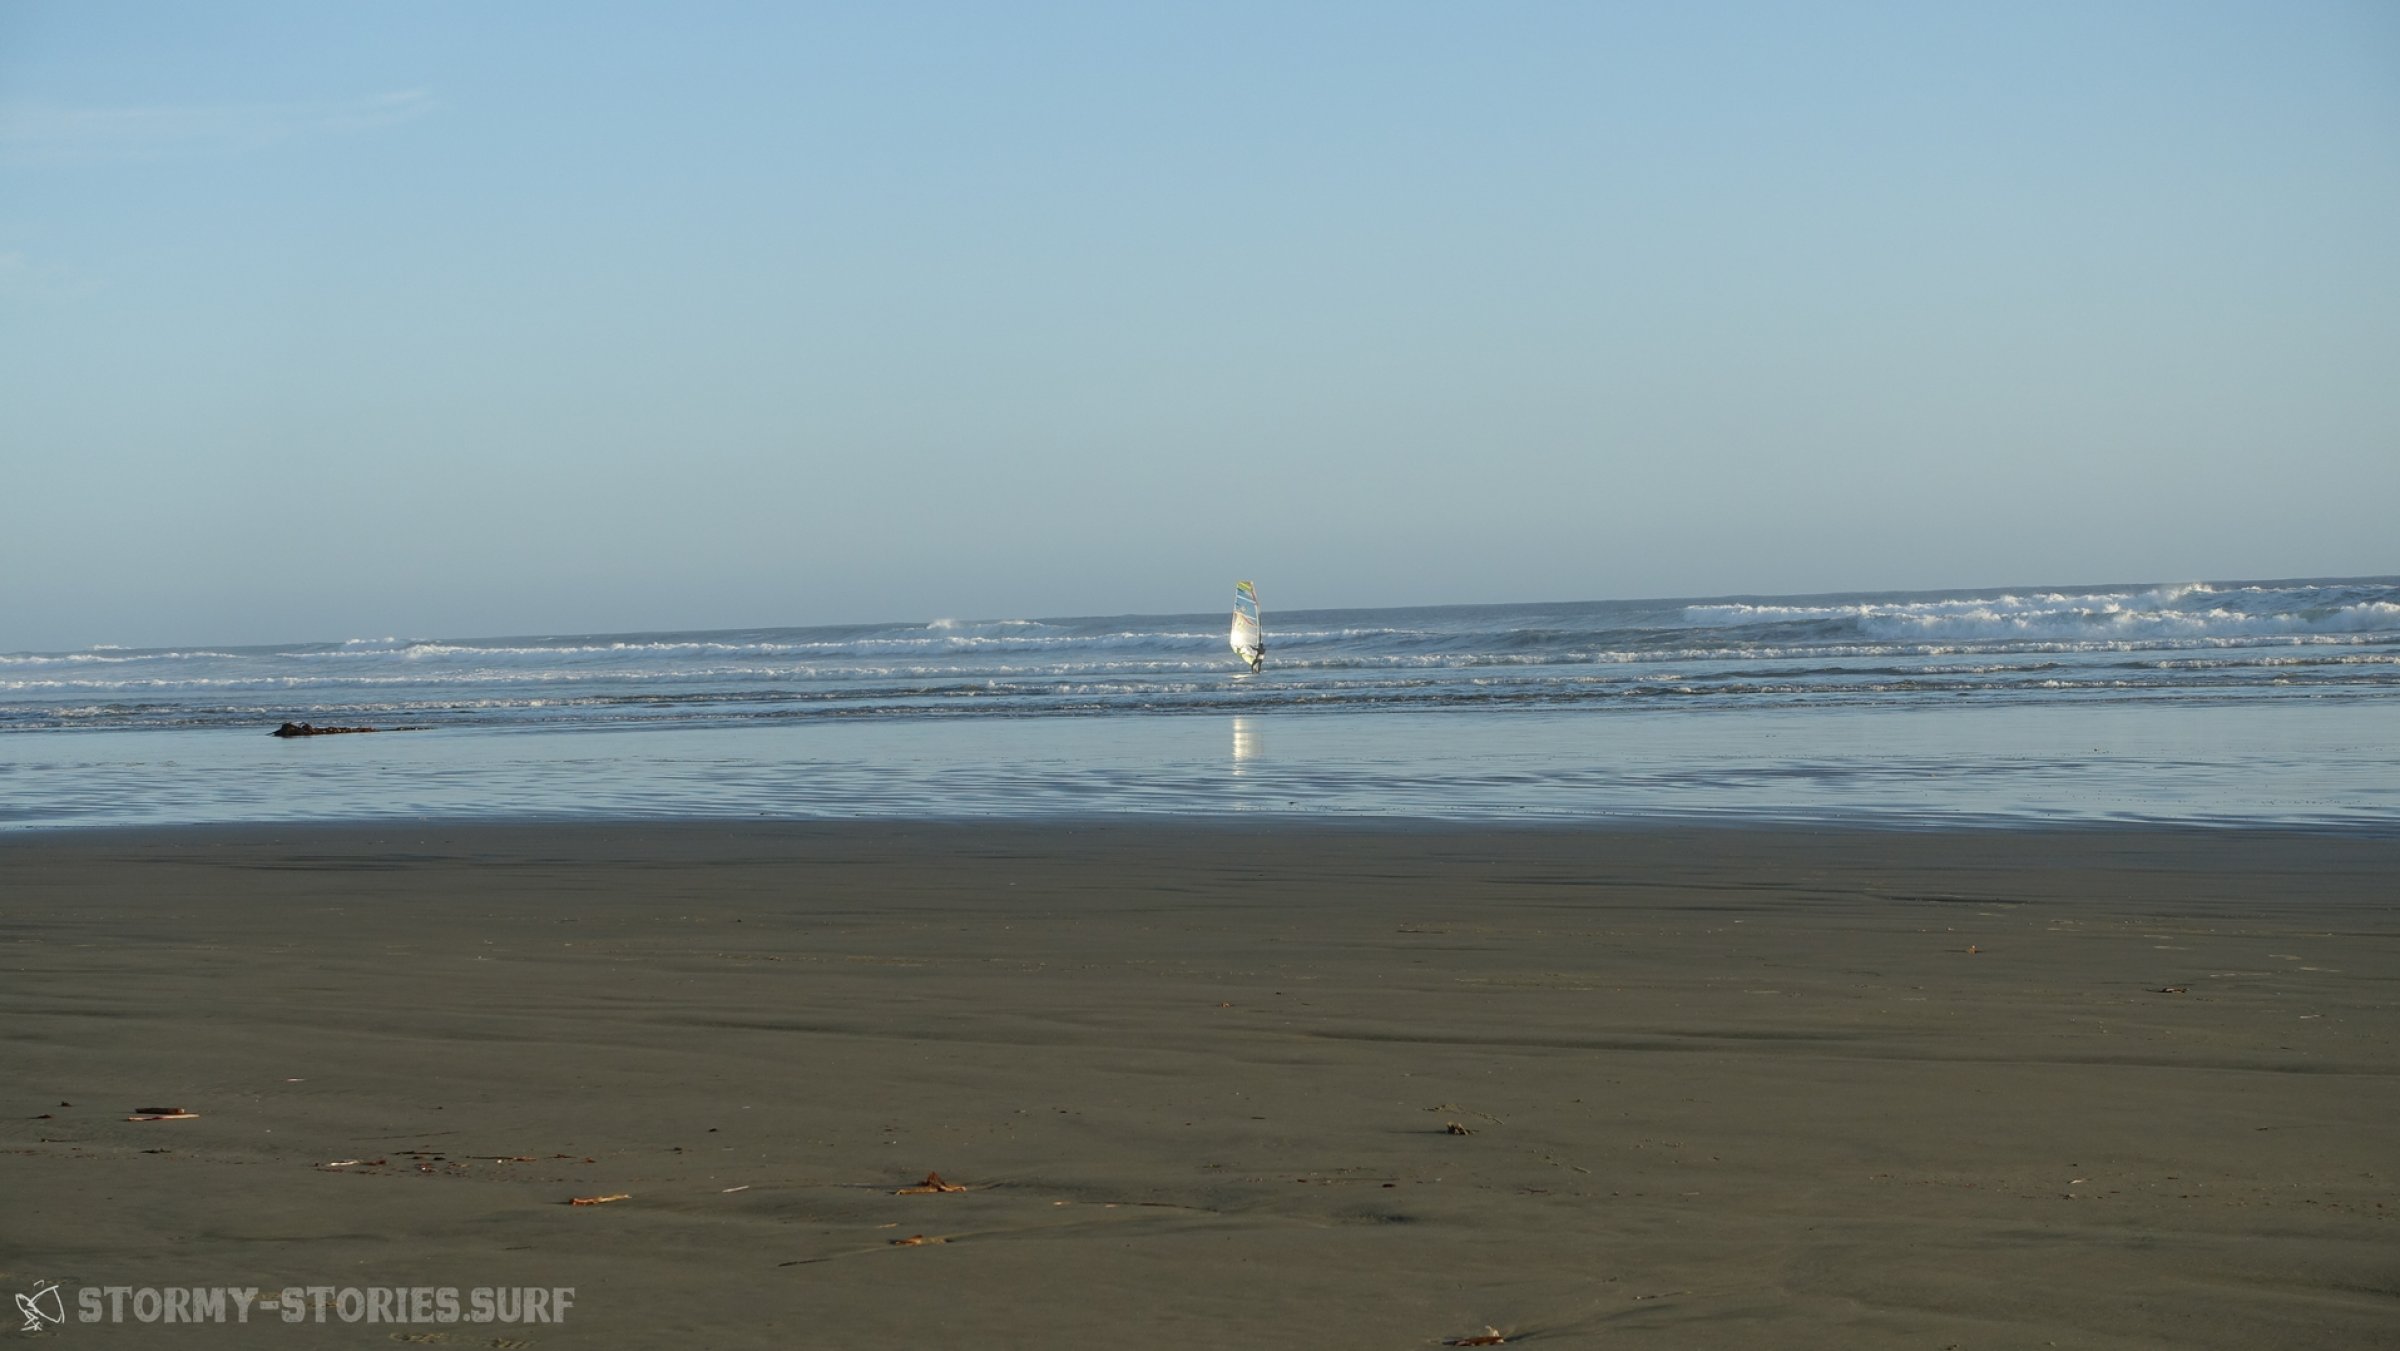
<point x="1248" y="642"/>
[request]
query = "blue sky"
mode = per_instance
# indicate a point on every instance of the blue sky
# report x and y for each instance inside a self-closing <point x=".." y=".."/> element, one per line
<point x="328" y="321"/>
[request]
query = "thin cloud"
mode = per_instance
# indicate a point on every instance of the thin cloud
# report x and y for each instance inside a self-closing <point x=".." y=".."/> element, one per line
<point x="53" y="134"/>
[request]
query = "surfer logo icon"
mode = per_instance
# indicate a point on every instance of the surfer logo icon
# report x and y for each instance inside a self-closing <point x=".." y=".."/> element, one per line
<point x="42" y="1306"/>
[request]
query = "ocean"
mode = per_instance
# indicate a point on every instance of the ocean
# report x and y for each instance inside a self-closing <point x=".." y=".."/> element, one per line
<point x="2228" y="703"/>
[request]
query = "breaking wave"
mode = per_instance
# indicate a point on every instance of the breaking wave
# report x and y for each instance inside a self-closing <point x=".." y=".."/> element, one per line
<point x="2330" y="639"/>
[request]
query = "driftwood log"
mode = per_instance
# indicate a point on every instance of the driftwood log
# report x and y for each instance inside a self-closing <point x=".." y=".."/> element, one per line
<point x="306" y="729"/>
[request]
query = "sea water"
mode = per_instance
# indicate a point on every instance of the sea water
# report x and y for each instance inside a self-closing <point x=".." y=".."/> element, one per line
<point x="2230" y="703"/>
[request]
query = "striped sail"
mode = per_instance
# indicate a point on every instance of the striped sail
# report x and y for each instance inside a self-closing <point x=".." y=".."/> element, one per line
<point x="1248" y="643"/>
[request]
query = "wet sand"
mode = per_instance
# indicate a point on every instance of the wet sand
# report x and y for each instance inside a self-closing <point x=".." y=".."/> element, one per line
<point x="1214" y="1085"/>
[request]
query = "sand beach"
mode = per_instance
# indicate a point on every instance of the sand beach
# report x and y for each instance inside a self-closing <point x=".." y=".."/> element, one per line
<point x="1213" y="1085"/>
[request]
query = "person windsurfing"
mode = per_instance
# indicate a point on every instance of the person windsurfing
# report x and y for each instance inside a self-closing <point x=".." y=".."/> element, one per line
<point x="1249" y="641"/>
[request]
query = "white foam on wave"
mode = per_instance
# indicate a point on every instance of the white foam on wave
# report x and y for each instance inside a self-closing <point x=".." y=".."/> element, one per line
<point x="2159" y="613"/>
<point x="1004" y="636"/>
<point x="955" y="625"/>
<point x="119" y="656"/>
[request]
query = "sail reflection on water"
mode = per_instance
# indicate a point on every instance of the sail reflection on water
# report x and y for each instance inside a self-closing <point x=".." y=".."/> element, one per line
<point x="1248" y="738"/>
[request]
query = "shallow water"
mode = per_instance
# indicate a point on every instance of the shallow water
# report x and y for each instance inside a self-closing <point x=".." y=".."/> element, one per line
<point x="2325" y="765"/>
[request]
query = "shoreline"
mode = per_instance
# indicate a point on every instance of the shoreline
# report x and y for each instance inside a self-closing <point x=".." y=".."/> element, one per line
<point x="1866" y="826"/>
<point x="1713" y="1087"/>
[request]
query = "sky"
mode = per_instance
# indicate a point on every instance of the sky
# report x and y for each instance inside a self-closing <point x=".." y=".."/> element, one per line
<point x="448" y="320"/>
